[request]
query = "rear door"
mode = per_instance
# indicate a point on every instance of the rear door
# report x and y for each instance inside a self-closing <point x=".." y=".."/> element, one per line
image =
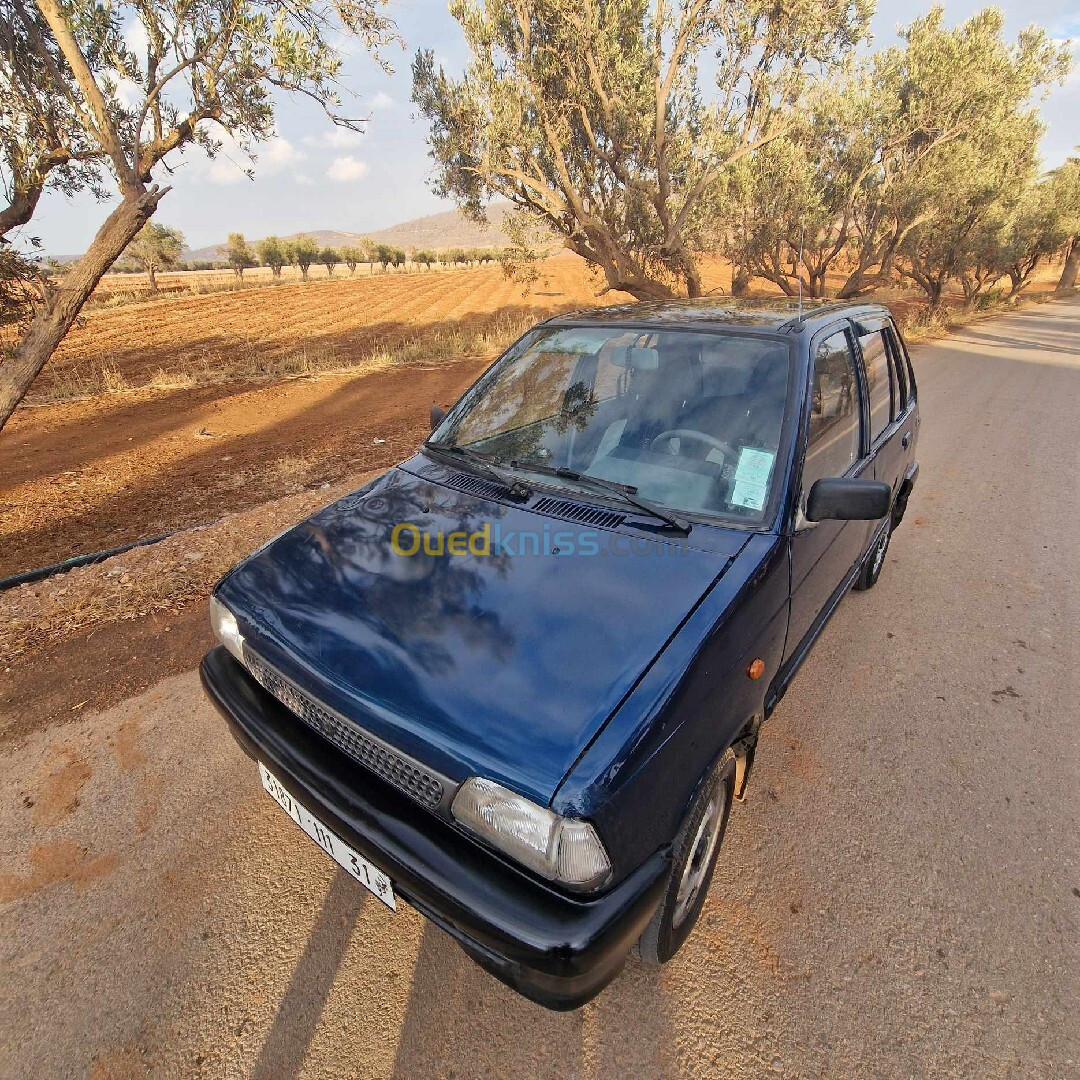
<point x="824" y="552"/>
<point x="907" y="420"/>
<point x="885" y="392"/>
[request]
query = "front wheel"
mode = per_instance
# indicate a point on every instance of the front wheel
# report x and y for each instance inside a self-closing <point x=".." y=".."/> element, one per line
<point x="693" y="861"/>
<point x="871" y="570"/>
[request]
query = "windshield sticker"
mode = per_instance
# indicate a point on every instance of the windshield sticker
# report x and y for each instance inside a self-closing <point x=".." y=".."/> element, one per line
<point x="752" y="478"/>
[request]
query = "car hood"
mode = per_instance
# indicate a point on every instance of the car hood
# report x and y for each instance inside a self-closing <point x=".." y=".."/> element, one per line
<point x="502" y="665"/>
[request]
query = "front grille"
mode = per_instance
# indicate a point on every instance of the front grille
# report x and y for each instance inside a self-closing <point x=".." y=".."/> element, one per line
<point x="402" y="772"/>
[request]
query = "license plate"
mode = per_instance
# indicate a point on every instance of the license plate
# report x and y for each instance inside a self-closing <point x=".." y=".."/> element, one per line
<point x="352" y="862"/>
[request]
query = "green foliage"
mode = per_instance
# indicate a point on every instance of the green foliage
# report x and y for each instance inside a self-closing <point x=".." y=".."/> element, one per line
<point x="21" y="282"/>
<point x="273" y="253"/>
<point x="424" y="258"/>
<point x="329" y="257"/>
<point x="303" y="251"/>
<point x="352" y="255"/>
<point x="592" y="116"/>
<point x="386" y="256"/>
<point x="155" y="247"/>
<point x="876" y="157"/>
<point x="238" y="254"/>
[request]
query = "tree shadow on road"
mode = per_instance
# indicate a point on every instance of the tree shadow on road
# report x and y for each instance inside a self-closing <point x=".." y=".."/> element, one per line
<point x="286" y="1045"/>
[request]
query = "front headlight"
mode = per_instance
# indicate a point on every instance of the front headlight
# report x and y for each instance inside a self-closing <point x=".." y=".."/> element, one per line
<point x="560" y="849"/>
<point x="223" y="623"/>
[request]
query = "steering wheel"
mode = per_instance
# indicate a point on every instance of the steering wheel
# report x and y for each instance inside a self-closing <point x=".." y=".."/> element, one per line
<point x="693" y="436"/>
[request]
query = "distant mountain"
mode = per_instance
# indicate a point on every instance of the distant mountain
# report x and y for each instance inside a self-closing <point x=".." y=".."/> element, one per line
<point x="449" y="229"/>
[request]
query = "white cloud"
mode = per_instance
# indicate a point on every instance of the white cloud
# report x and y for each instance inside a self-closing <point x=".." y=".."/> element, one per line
<point x="276" y="153"/>
<point x="382" y="101"/>
<point x="136" y="38"/>
<point x="337" y="138"/>
<point x="344" y="169"/>
<point x="128" y="92"/>
<point x="231" y="163"/>
<point x="303" y="179"/>
<point x="224" y="171"/>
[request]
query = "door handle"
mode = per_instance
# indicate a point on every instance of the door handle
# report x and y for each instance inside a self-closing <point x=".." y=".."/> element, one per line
<point x="905" y="442"/>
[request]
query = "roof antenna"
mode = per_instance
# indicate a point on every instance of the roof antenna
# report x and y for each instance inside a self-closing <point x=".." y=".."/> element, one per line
<point x="798" y="268"/>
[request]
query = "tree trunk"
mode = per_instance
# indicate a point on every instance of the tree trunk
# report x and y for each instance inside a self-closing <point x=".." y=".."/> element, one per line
<point x="1072" y="265"/>
<point x="740" y="281"/>
<point x="151" y="273"/>
<point x="64" y="303"/>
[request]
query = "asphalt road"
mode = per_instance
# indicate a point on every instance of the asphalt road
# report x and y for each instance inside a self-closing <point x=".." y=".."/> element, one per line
<point x="900" y="895"/>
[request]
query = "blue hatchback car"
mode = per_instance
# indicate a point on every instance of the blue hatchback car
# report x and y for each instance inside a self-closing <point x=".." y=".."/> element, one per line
<point x="518" y="680"/>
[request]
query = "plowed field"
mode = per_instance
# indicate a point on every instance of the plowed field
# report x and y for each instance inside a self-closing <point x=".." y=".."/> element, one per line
<point x="340" y="320"/>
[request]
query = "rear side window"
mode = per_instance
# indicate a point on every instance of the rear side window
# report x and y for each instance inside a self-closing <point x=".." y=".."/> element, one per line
<point x="904" y="375"/>
<point x="833" y="445"/>
<point x="879" y="381"/>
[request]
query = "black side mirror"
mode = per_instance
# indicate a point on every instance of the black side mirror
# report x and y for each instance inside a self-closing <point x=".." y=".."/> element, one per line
<point x="848" y="500"/>
<point x="437" y="415"/>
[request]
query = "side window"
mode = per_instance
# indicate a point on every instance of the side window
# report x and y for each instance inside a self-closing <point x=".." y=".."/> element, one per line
<point x="905" y="381"/>
<point x="833" y="445"/>
<point x="879" y="381"/>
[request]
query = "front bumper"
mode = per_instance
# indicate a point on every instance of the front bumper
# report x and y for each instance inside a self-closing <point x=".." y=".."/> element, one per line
<point x="557" y="950"/>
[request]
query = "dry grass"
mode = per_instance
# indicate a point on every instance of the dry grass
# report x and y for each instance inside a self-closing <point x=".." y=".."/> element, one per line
<point x="920" y="323"/>
<point x="123" y="290"/>
<point x="248" y="363"/>
<point x="160" y="578"/>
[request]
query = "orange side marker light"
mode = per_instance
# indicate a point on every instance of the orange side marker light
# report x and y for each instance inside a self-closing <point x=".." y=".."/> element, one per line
<point x="756" y="668"/>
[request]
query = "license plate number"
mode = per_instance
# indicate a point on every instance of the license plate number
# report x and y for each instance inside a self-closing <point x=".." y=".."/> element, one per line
<point x="352" y="862"/>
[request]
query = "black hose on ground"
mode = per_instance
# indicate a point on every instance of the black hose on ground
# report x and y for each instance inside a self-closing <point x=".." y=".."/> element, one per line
<point x="44" y="572"/>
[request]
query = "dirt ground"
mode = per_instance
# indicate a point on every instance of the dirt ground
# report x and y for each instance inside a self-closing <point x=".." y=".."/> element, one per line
<point x="81" y="476"/>
<point x="898" y="897"/>
<point x="92" y="475"/>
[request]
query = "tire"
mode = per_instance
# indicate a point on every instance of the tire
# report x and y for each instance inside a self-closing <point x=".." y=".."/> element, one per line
<point x="875" y="561"/>
<point x="700" y="835"/>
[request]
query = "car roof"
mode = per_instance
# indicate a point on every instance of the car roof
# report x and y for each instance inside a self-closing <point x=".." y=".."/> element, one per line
<point x="773" y="315"/>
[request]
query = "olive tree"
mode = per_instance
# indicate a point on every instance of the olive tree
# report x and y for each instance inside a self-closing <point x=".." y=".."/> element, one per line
<point x="1067" y="194"/>
<point x="351" y="256"/>
<point x="272" y="252"/>
<point x="201" y="70"/>
<point x="303" y="251"/>
<point x="1035" y="231"/>
<point x="844" y="187"/>
<point x="384" y="255"/>
<point x="238" y="255"/>
<point x="155" y="247"/>
<point x="593" y="116"/>
<point x="329" y="257"/>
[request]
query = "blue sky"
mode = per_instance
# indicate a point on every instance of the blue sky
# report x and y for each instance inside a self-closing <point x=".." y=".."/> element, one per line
<point x="314" y="176"/>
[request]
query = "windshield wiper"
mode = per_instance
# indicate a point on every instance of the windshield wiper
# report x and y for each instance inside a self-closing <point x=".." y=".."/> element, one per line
<point x="627" y="494"/>
<point x="515" y="488"/>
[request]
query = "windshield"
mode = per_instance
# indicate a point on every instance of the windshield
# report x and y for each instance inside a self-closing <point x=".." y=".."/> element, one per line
<point x="688" y="420"/>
